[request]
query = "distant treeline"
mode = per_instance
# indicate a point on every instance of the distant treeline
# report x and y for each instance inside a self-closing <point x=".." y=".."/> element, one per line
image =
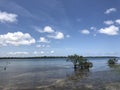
<point x="55" y="57"/>
<point x="33" y="57"/>
<point x="102" y="57"/>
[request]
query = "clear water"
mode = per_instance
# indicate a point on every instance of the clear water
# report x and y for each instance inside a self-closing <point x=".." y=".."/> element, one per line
<point x="32" y="74"/>
<point x="19" y="66"/>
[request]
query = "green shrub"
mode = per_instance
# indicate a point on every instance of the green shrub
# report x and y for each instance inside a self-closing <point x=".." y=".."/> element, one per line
<point x="79" y="62"/>
<point x="112" y="61"/>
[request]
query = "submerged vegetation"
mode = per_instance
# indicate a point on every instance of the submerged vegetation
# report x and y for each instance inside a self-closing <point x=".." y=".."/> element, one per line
<point x="79" y="62"/>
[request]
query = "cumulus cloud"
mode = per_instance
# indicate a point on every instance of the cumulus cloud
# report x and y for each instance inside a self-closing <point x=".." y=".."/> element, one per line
<point x="18" y="53"/>
<point x="117" y="21"/>
<point x="57" y="35"/>
<point x="52" y="52"/>
<point x="111" y="30"/>
<point x="85" y="31"/>
<point x="38" y="46"/>
<point x="7" y="17"/>
<point x="93" y="28"/>
<point x="51" y="33"/>
<point x="95" y="31"/>
<point x="43" y="40"/>
<point x="110" y="10"/>
<point x="68" y="36"/>
<point x="47" y="29"/>
<point x="16" y="39"/>
<point x="42" y="52"/>
<point x="42" y="46"/>
<point x="35" y="52"/>
<point x="108" y="22"/>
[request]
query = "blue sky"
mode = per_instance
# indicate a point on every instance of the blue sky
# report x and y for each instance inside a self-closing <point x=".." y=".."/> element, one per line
<point x="59" y="27"/>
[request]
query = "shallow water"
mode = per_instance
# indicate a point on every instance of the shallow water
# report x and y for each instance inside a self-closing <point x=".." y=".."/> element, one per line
<point x="54" y="74"/>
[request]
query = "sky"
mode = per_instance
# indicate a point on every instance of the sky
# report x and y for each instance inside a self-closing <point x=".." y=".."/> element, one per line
<point x="59" y="27"/>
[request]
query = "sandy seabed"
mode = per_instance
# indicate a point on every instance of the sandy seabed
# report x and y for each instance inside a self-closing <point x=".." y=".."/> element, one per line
<point x="100" y="80"/>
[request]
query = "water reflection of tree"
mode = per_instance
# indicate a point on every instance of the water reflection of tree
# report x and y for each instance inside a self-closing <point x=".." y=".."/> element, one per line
<point x="78" y="74"/>
<point x="115" y="67"/>
<point x="79" y="62"/>
<point x="112" y="63"/>
<point x="81" y="67"/>
<point x="3" y="66"/>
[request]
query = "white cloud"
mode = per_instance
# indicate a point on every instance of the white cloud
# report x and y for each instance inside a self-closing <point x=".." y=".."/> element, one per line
<point x="42" y="46"/>
<point x="110" y="10"/>
<point x="39" y="46"/>
<point x="95" y="31"/>
<point x="117" y="21"/>
<point x="52" y="33"/>
<point x="47" y="29"/>
<point x="108" y="22"/>
<point x="42" y="52"/>
<point x="18" y="53"/>
<point x="57" y="35"/>
<point x="52" y="52"/>
<point x="43" y="40"/>
<point x="93" y="28"/>
<point x="85" y="31"/>
<point x="68" y="36"/>
<point x="35" y="52"/>
<point x="111" y="30"/>
<point x="7" y="17"/>
<point x="16" y="39"/>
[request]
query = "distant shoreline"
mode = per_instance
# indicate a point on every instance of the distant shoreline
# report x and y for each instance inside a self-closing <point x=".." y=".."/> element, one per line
<point x="55" y="57"/>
